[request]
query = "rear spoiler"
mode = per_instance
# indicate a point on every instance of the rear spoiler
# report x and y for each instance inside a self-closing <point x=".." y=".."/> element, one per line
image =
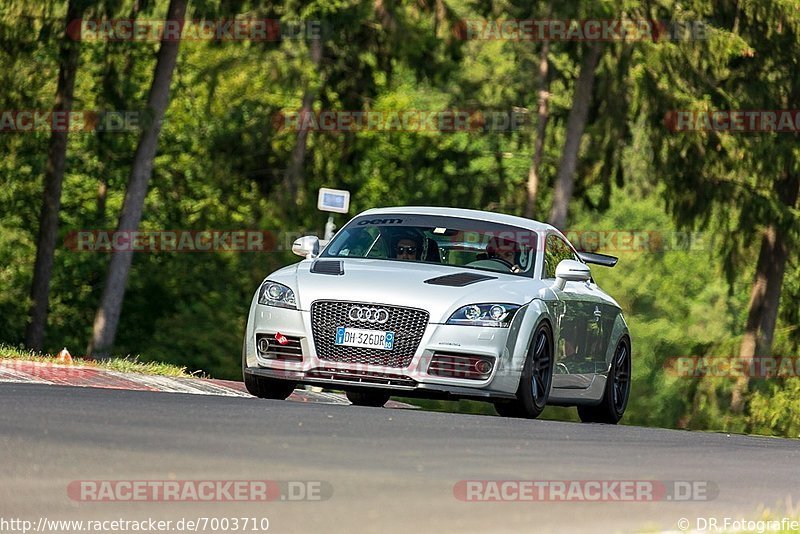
<point x="598" y="259"/>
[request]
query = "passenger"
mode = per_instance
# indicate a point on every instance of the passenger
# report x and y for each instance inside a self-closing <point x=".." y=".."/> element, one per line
<point x="505" y="250"/>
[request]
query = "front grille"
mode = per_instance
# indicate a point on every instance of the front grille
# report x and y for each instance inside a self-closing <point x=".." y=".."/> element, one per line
<point x="408" y="325"/>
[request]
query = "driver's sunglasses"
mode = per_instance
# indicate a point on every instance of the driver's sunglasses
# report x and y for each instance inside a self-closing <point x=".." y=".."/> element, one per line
<point x="406" y="250"/>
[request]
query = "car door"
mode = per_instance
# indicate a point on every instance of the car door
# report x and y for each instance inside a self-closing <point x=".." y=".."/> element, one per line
<point x="579" y="315"/>
<point x="600" y="316"/>
<point x="608" y="317"/>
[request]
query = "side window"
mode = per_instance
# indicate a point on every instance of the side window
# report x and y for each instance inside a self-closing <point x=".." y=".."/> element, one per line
<point x="555" y="250"/>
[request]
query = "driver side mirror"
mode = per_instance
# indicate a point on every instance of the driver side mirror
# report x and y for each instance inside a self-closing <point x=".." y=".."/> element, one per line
<point x="306" y="246"/>
<point x="571" y="271"/>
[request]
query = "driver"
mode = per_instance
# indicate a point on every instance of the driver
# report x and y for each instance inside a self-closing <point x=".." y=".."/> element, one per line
<point x="504" y="250"/>
<point x="407" y="247"/>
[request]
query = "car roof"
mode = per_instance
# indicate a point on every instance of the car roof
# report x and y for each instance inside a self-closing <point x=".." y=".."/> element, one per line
<point x="478" y="215"/>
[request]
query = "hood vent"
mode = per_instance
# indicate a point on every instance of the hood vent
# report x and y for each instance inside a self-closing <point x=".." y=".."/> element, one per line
<point x="334" y="267"/>
<point x="459" y="279"/>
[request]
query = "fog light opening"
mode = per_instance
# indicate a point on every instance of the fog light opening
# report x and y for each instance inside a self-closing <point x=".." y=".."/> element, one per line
<point x="484" y="367"/>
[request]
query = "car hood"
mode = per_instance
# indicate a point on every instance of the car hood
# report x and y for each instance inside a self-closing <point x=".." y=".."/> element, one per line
<point x="403" y="284"/>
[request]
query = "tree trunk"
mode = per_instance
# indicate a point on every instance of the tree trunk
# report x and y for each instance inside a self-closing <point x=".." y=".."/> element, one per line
<point x="541" y="129"/>
<point x="102" y="197"/>
<point x="765" y="295"/>
<point x="576" y="123"/>
<point x="117" y="98"/>
<point x="294" y="179"/>
<point x="107" y="318"/>
<point x="53" y="178"/>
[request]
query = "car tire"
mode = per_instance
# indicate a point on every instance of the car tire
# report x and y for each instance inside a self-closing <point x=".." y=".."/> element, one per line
<point x="368" y="397"/>
<point x="617" y="391"/>
<point x="536" y="378"/>
<point x="265" y="387"/>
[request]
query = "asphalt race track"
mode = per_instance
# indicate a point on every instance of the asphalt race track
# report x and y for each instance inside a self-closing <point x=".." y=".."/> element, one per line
<point x="389" y="470"/>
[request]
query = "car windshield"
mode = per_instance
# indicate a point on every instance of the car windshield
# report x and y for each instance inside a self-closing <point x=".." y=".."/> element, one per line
<point x="436" y="239"/>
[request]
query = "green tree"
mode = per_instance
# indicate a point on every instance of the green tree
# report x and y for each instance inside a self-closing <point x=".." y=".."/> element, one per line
<point x="53" y="178"/>
<point x="743" y="185"/>
<point x="107" y="317"/>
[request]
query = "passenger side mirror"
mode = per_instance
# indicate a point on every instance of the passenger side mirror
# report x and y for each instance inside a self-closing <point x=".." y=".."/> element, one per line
<point x="571" y="271"/>
<point x="306" y="246"/>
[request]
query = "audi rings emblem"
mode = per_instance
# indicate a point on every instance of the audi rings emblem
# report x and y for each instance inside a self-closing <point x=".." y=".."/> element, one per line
<point x="368" y="315"/>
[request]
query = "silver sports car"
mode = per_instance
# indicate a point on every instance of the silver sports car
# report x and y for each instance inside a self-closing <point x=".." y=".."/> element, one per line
<point x="442" y="303"/>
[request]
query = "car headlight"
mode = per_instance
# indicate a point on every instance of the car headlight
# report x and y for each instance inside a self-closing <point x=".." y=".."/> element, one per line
<point x="275" y="294"/>
<point x="493" y="315"/>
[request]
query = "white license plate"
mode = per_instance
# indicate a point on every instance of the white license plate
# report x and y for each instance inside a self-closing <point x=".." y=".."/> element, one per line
<point x="370" y="339"/>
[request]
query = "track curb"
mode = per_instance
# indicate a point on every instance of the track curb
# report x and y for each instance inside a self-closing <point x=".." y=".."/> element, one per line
<point x="29" y="372"/>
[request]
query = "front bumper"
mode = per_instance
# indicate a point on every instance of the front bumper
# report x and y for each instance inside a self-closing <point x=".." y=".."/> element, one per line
<point x="499" y="345"/>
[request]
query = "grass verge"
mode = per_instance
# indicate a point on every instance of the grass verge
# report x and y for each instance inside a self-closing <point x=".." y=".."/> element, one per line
<point x="127" y="364"/>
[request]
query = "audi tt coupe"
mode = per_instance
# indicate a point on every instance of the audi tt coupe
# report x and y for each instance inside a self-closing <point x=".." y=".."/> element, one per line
<point x="442" y="303"/>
